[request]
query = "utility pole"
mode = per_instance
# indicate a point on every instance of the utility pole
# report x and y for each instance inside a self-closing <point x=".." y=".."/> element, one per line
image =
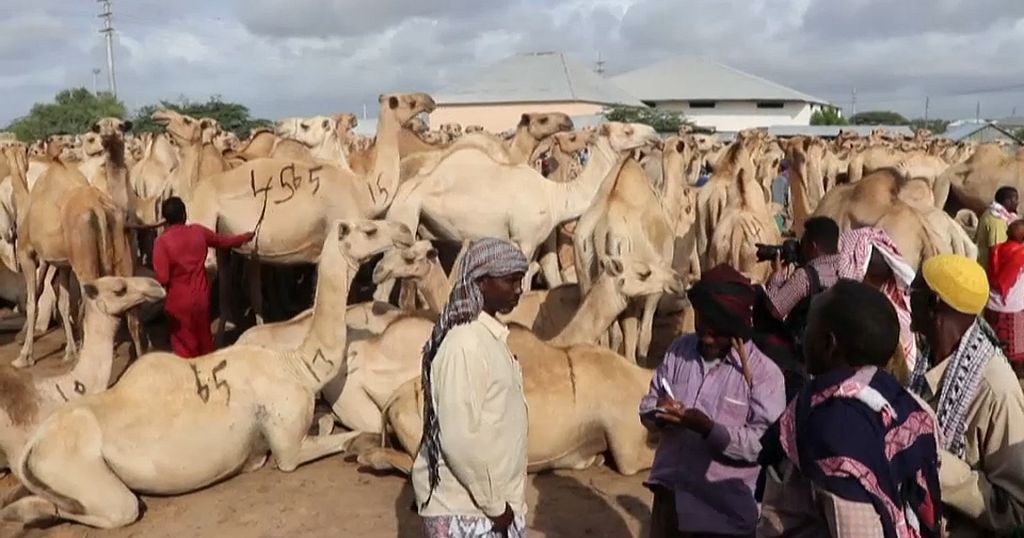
<point x="977" y="112"/>
<point x="108" y="31"/>
<point x="927" y="101"/>
<point x="854" y="103"/>
<point x="600" y="64"/>
<point x="95" y="80"/>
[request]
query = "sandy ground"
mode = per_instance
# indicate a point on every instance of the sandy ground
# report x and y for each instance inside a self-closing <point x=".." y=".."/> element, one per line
<point x="335" y="497"/>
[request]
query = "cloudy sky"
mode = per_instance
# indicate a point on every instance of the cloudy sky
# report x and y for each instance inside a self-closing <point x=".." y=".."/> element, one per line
<point x="302" y="57"/>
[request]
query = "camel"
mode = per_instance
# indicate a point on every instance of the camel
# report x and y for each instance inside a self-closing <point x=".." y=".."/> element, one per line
<point x="745" y="222"/>
<point x="523" y="206"/>
<point x="73" y="226"/>
<point x="679" y="157"/>
<point x="86" y="461"/>
<point x="563" y="316"/>
<point x="151" y="174"/>
<point x="975" y="181"/>
<point x="325" y="137"/>
<point x="291" y="204"/>
<point x="626" y="218"/>
<point x="713" y="197"/>
<point x="582" y="400"/>
<point x="26" y="400"/>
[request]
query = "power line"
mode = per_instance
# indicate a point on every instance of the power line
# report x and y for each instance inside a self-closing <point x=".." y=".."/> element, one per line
<point x="108" y="30"/>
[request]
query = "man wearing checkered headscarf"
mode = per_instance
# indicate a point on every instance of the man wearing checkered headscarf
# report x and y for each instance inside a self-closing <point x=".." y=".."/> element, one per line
<point x="470" y="473"/>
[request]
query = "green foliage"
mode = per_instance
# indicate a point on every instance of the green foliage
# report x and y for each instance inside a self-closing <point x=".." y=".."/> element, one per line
<point x="878" y="117"/>
<point x="828" y="116"/>
<point x="663" y="121"/>
<point x="72" y="111"/>
<point x="1019" y="134"/>
<point x="935" y="126"/>
<point x="232" y="117"/>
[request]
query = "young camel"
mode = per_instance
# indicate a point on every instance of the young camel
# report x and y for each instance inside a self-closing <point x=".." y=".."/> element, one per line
<point x="26" y="400"/>
<point x="171" y="426"/>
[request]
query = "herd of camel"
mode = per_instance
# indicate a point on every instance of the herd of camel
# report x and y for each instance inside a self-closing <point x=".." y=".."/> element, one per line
<point x="610" y="216"/>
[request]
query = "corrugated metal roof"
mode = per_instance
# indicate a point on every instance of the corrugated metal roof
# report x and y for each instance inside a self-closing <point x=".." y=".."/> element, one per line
<point x="535" y="77"/>
<point x="688" y="78"/>
<point x="962" y="132"/>
<point x="1012" y="122"/>
<point x="831" y="131"/>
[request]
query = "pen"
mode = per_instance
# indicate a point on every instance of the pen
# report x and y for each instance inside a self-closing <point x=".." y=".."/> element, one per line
<point x="666" y="388"/>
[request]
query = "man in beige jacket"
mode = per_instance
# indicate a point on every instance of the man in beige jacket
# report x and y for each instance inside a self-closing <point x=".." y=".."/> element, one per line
<point x="470" y="473"/>
<point x="978" y="402"/>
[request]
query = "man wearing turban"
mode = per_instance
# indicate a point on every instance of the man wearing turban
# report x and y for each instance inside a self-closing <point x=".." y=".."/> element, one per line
<point x="711" y="399"/>
<point x="470" y="473"/>
<point x="976" y="397"/>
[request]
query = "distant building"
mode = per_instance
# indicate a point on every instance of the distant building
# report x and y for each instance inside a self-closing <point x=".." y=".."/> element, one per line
<point x="833" y="131"/>
<point x="497" y="96"/>
<point x="981" y="133"/>
<point x="717" y="96"/>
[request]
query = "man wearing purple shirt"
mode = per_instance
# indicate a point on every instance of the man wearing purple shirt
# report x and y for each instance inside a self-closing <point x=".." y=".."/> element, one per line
<point x="711" y="399"/>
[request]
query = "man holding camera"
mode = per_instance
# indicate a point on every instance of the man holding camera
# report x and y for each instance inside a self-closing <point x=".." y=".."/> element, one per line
<point x="793" y="281"/>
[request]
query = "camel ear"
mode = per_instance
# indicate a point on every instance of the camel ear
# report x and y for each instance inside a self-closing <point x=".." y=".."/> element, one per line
<point x="606" y="130"/>
<point x="432" y="254"/>
<point x="612" y="266"/>
<point x="680" y="146"/>
<point x="408" y="255"/>
<point x="343" y="230"/>
<point x="126" y="126"/>
<point x="524" y="120"/>
<point x="393" y="102"/>
<point x="91" y="291"/>
<point x="95" y="127"/>
<point x="642" y="270"/>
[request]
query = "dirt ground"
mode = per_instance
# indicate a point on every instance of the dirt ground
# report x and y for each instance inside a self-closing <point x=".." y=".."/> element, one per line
<point x="335" y="497"/>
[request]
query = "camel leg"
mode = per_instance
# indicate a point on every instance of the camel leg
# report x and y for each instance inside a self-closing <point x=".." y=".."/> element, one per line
<point x="63" y="288"/>
<point x="312" y="448"/>
<point x="630" y="333"/>
<point x="285" y="433"/>
<point x="223" y="294"/>
<point x="647" y="325"/>
<point x="28" y="270"/>
<point x="354" y="407"/>
<point x="408" y="294"/>
<point x="386" y="459"/>
<point x="47" y="301"/>
<point x="529" y="251"/>
<point x="255" y="274"/>
<point x="549" y="261"/>
<point x="96" y="496"/>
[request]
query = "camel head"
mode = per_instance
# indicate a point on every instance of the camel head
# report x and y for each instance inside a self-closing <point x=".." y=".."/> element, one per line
<point x="629" y="136"/>
<point x="310" y="132"/>
<point x="412" y="262"/>
<point x="574" y="141"/>
<point x="209" y="128"/>
<point x="115" y="295"/>
<point x="112" y="128"/>
<point x="452" y="129"/>
<point x="542" y="125"/>
<point x="474" y="129"/>
<point x="406" y="106"/>
<point x="184" y="130"/>
<point x="92" y="144"/>
<point x="358" y="240"/>
<point x="345" y="122"/>
<point x="226" y="141"/>
<point x="636" y="278"/>
<point x="417" y="125"/>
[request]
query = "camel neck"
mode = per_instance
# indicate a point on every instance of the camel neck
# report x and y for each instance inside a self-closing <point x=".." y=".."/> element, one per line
<point x="522" y="146"/>
<point x="323" y="350"/>
<point x="578" y="195"/>
<point x="596" y="313"/>
<point x="798" y="191"/>
<point x="191" y="160"/>
<point x="117" y="177"/>
<point x="673" y="189"/>
<point x="382" y="181"/>
<point x="435" y="288"/>
<point x="91" y="373"/>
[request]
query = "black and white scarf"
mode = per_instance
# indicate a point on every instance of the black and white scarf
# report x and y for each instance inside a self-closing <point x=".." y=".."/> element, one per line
<point x="960" y="382"/>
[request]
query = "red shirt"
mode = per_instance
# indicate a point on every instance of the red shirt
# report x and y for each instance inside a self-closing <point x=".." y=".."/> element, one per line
<point x="179" y="260"/>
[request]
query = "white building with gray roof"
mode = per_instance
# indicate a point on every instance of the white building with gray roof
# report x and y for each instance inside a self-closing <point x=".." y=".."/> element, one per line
<point x="713" y="95"/>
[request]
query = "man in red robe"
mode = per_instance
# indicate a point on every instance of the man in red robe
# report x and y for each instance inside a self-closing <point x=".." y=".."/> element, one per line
<point x="1005" y="310"/>
<point x="179" y="258"/>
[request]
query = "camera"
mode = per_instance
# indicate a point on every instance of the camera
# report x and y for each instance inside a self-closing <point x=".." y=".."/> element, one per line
<point x="788" y="252"/>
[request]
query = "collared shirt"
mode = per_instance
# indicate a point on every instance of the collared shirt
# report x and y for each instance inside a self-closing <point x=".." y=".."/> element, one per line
<point x="478" y="396"/>
<point x="785" y="293"/>
<point x="991" y="232"/>
<point x="713" y="477"/>
<point x="984" y="492"/>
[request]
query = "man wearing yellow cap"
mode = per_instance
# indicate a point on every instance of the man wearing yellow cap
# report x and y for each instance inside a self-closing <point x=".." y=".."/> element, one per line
<point x="977" y="400"/>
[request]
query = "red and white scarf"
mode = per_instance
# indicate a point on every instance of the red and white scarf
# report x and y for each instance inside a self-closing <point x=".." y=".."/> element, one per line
<point x="855" y="248"/>
<point x="1002" y="213"/>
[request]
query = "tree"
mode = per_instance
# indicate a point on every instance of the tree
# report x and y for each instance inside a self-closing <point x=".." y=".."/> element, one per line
<point x="1019" y="134"/>
<point x="663" y="121"/>
<point x="935" y="126"/>
<point x="73" y="111"/>
<point x="878" y="117"/>
<point x="232" y="117"/>
<point x="828" y="116"/>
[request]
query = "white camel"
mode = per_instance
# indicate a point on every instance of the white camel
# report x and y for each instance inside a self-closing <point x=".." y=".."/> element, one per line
<point x="171" y="426"/>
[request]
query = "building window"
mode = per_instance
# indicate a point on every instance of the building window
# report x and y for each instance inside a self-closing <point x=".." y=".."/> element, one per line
<point x="702" y="104"/>
<point x="771" y="104"/>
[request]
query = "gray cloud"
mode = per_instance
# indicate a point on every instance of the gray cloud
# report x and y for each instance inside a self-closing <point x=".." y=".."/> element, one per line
<point x="307" y="56"/>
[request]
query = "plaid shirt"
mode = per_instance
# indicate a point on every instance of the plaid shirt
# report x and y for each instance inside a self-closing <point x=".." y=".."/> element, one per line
<point x="785" y="293"/>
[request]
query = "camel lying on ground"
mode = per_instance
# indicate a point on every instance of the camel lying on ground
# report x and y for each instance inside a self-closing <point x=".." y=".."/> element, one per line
<point x="25" y="400"/>
<point x="583" y="402"/>
<point x="171" y="426"/>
